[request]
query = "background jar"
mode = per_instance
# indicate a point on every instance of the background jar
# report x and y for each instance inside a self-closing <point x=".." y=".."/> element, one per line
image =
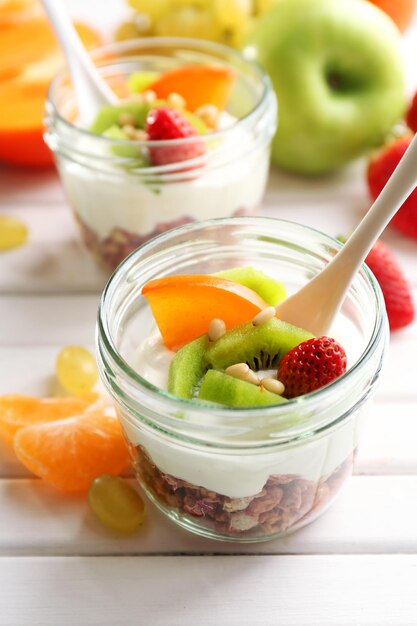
<point x="119" y="204"/>
<point x="240" y="474"/>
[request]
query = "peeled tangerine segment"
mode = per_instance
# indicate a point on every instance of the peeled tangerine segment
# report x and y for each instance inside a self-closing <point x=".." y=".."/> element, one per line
<point x="69" y="453"/>
<point x="183" y="306"/>
<point x="224" y="389"/>
<point x="116" y="504"/>
<point x="17" y="411"/>
<point x="197" y="84"/>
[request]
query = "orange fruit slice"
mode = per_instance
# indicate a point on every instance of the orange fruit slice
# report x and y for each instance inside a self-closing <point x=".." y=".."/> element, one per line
<point x="197" y="84"/>
<point x="69" y="453"/>
<point x="29" y="58"/>
<point x="17" y="411"/>
<point x="183" y="306"/>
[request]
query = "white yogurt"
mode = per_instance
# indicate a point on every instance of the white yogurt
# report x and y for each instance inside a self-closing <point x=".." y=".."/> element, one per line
<point x="111" y="198"/>
<point x="239" y="475"/>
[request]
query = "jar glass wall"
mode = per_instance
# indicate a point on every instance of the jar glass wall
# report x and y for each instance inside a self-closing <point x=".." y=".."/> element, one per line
<point x="118" y="202"/>
<point x="240" y="474"/>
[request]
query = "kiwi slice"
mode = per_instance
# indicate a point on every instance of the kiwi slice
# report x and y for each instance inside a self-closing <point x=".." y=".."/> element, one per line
<point x="109" y="115"/>
<point x="188" y="367"/>
<point x="261" y="347"/>
<point x="269" y="289"/>
<point x="224" y="389"/>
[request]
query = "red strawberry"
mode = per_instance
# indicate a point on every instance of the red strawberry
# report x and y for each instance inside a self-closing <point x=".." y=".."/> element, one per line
<point x="395" y="288"/>
<point x="380" y="169"/>
<point x="411" y="115"/>
<point x="165" y="124"/>
<point x="311" y="365"/>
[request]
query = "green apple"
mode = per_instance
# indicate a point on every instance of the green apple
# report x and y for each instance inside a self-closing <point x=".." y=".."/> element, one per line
<point x="337" y="70"/>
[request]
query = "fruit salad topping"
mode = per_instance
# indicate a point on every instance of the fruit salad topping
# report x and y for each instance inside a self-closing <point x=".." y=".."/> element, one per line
<point x="225" y="336"/>
<point x="181" y="103"/>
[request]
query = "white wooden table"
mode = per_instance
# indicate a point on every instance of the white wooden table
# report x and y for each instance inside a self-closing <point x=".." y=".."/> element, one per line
<point x="357" y="565"/>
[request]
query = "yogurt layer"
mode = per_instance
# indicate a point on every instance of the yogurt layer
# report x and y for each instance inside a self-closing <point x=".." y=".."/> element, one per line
<point x="111" y="197"/>
<point x="243" y="473"/>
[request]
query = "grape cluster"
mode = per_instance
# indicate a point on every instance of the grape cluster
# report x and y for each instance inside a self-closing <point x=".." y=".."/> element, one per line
<point x="224" y="21"/>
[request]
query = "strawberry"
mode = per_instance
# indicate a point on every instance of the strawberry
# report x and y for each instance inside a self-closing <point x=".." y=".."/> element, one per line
<point x="164" y="124"/>
<point x="380" y="169"/>
<point x="311" y="365"/>
<point x="411" y="115"/>
<point x="395" y="288"/>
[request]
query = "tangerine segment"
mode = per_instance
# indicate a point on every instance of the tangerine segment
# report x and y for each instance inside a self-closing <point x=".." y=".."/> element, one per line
<point x="183" y="306"/>
<point x="18" y="411"/>
<point x="197" y="84"/>
<point x="69" y="453"/>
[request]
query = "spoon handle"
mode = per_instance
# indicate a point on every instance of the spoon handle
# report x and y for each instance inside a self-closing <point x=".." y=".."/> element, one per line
<point x="317" y="303"/>
<point x="90" y="89"/>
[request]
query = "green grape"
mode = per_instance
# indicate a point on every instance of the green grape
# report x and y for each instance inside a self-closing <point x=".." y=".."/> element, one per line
<point x="238" y="34"/>
<point x="230" y="13"/>
<point x="153" y="8"/>
<point x="13" y="232"/>
<point x="262" y="6"/>
<point x="189" y="21"/>
<point x="116" y="504"/>
<point x="132" y="30"/>
<point x="76" y="370"/>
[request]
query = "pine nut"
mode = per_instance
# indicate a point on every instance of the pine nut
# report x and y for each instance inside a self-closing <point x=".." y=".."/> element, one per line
<point x="264" y="316"/>
<point x="242" y="371"/>
<point x="209" y="113"/>
<point x="238" y="370"/>
<point x="217" y="328"/>
<point x="176" y="100"/>
<point x="149" y="96"/>
<point x="273" y="385"/>
<point x="129" y="131"/>
<point x="127" y="119"/>
<point x="252" y="378"/>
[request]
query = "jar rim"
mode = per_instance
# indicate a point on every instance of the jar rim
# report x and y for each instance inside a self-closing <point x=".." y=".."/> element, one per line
<point x="173" y="403"/>
<point x="155" y="42"/>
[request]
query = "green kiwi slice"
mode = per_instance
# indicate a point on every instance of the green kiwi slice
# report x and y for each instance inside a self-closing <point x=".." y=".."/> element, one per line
<point x="261" y="347"/>
<point x="189" y="368"/>
<point x="224" y="389"/>
<point x="269" y="289"/>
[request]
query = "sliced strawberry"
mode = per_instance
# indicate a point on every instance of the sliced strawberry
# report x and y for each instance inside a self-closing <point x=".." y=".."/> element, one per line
<point x="164" y="124"/>
<point x="311" y="365"/>
<point x="395" y="288"/>
<point x="380" y="168"/>
<point x="411" y="115"/>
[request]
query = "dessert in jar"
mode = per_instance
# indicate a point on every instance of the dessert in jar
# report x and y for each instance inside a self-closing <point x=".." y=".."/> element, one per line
<point x="189" y="141"/>
<point x="241" y="427"/>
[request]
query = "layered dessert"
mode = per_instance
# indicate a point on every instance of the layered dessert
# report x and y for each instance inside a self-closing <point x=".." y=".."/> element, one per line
<point x="218" y="344"/>
<point x="183" y="144"/>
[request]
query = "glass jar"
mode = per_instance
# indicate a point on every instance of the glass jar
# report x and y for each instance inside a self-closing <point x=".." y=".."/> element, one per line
<point x="240" y="474"/>
<point x="118" y="202"/>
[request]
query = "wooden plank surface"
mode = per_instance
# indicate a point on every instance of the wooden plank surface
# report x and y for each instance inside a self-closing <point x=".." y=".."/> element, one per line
<point x="373" y="514"/>
<point x="320" y="590"/>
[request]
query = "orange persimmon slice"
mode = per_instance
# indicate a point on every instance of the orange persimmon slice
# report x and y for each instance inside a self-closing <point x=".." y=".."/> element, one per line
<point x="18" y="411"/>
<point x="197" y="84"/>
<point x="183" y="306"/>
<point x="69" y="453"/>
<point x="29" y="58"/>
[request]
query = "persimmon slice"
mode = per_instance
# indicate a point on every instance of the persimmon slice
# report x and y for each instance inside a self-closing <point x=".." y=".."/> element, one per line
<point x="183" y="306"/>
<point x="18" y="411"/>
<point x="69" y="453"/>
<point x="197" y="84"/>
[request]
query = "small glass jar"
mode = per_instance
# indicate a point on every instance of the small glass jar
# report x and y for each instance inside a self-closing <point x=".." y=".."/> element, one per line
<point x="240" y="474"/>
<point x="118" y="203"/>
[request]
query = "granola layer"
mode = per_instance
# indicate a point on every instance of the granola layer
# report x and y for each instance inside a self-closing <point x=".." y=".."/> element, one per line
<point x="286" y="500"/>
